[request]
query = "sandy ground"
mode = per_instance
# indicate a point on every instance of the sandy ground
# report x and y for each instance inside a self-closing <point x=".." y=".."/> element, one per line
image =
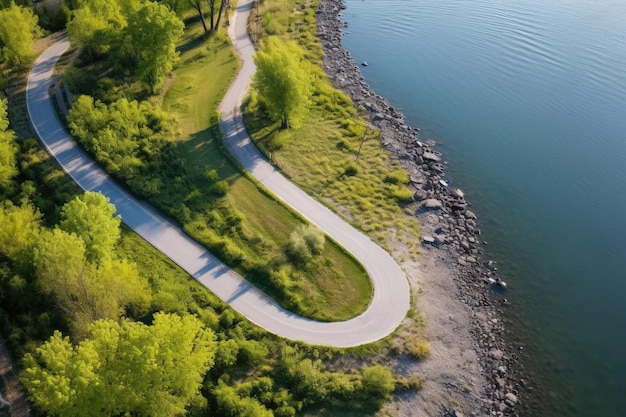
<point x="453" y="377"/>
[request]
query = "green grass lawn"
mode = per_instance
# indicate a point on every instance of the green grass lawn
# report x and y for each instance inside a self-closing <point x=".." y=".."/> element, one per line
<point x="320" y="155"/>
<point x="334" y="286"/>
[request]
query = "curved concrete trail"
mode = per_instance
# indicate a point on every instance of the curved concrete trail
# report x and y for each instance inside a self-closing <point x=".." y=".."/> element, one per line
<point x="391" y="291"/>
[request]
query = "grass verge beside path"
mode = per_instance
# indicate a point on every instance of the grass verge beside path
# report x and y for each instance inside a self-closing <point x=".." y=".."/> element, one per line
<point x="321" y="154"/>
<point x="332" y="286"/>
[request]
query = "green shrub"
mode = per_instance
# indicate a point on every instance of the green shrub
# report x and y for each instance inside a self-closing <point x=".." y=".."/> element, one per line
<point x="351" y="169"/>
<point x="402" y="194"/>
<point x="399" y="176"/>
<point x="297" y="250"/>
<point x="313" y="237"/>
<point x="419" y="349"/>
<point x="219" y="189"/>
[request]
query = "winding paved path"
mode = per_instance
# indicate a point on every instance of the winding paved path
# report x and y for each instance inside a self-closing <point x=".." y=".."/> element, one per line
<point x="391" y="291"/>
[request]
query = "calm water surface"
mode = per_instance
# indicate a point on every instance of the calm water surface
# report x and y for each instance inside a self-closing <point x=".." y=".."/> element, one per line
<point x="527" y="100"/>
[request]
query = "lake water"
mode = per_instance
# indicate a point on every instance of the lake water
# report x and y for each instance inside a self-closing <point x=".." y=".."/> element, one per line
<point x="527" y="101"/>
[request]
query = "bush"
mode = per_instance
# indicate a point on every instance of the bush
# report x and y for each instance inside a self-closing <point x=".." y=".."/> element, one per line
<point x="351" y="169"/>
<point x="305" y="242"/>
<point x="313" y="237"/>
<point x="219" y="189"/>
<point x="419" y="349"/>
<point x="378" y="382"/>
<point x="399" y="176"/>
<point x="402" y="194"/>
<point x="297" y="250"/>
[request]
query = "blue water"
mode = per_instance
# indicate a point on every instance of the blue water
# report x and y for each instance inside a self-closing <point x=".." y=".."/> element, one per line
<point x="527" y="101"/>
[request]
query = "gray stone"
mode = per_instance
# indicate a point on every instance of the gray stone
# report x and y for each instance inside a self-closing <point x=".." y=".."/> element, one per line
<point x="429" y="156"/>
<point x="457" y="193"/>
<point x="497" y="354"/>
<point x="432" y="203"/>
<point x="510" y="399"/>
<point x="428" y="239"/>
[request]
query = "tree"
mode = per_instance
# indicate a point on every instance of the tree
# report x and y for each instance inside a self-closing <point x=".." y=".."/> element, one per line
<point x="154" y="31"/>
<point x="212" y="5"/>
<point x="97" y="25"/>
<point x="8" y="149"/>
<point x="197" y="5"/>
<point x="84" y="291"/>
<point x="92" y="218"/>
<point x="282" y="80"/>
<point x="230" y="404"/>
<point x="128" y="368"/>
<point x="20" y="228"/>
<point x="18" y="32"/>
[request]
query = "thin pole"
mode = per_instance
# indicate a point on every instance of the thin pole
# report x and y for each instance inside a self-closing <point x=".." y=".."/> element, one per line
<point x="362" y="140"/>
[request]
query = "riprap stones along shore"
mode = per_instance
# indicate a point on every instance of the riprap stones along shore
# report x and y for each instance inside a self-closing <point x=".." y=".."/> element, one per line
<point x="446" y="223"/>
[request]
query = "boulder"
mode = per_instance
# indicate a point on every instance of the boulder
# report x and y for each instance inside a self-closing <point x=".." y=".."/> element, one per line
<point x="428" y="239"/>
<point x="429" y="156"/>
<point x="510" y="399"/>
<point x="457" y="193"/>
<point x="432" y="204"/>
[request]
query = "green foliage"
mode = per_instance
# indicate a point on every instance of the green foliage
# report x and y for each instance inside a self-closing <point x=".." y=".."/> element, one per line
<point x="398" y="176"/>
<point x="8" y="149"/>
<point x="230" y="404"/>
<point x="122" y="368"/>
<point x="371" y="192"/>
<point x="304" y="242"/>
<point x="154" y="31"/>
<point x="92" y="218"/>
<point x="138" y="35"/>
<point x="20" y="229"/>
<point x="18" y="31"/>
<point x="76" y="264"/>
<point x="97" y="25"/>
<point x="378" y="382"/>
<point x="351" y="169"/>
<point x="282" y="80"/>
<point x="419" y="349"/>
<point x="52" y="17"/>
<point x="129" y="138"/>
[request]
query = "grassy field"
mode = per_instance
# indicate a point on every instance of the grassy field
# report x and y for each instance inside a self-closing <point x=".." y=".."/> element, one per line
<point x="321" y="154"/>
<point x="334" y="286"/>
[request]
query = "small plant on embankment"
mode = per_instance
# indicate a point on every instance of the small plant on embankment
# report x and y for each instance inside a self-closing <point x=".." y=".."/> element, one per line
<point x="330" y="153"/>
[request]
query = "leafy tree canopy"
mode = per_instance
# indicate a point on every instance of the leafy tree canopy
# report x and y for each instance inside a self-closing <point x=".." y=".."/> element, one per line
<point x="8" y="149"/>
<point x="154" y="31"/>
<point x="20" y="228"/>
<point x="18" y="31"/>
<point x="282" y="80"/>
<point x="125" y="368"/>
<point x="92" y="218"/>
<point x="137" y="34"/>
<point x="84" y="291"/>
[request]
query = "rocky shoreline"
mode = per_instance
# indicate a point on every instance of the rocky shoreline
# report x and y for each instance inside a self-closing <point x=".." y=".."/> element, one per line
<point x="449" y="229"/>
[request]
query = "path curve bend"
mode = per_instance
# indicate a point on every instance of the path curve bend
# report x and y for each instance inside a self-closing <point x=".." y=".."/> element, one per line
<point x="391" y="291"/>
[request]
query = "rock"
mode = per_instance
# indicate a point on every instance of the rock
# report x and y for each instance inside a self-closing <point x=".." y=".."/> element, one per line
<point x="510" y="399"/>
<point x="497" y="354"/>
<point x="432" y="204"/>
<point x="428" y="239"/>
<point x="457" y="193"/>
<point x="429" y="156"/>
<point x="364" y="63"/>
<point x="470" y="215"/>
